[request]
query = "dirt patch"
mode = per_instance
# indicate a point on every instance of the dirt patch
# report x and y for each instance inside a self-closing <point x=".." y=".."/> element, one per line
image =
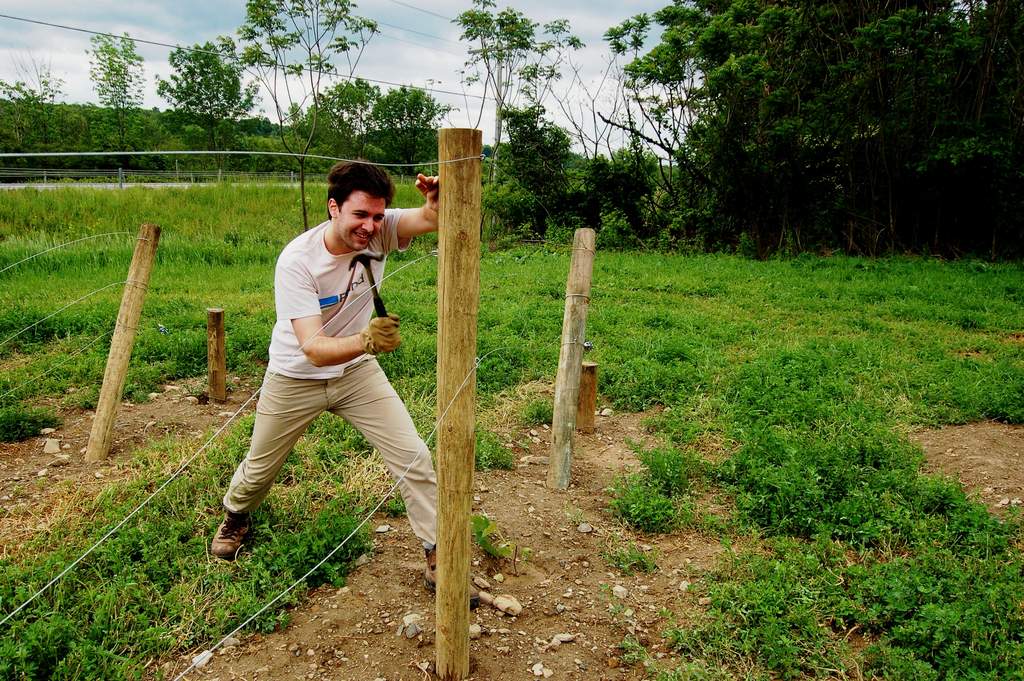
<point x="987" y="458"/>
<point x="38" y="489"/>
<point x="566" y="587"/>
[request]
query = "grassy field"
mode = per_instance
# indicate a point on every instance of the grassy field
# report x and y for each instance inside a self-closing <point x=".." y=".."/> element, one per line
<point x="791" y="386"/>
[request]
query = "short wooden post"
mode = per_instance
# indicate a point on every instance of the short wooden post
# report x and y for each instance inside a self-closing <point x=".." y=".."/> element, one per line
<point x="458" y="298"/>
<point x="567" y="383"/>
<point x="121" y="344"/>
<point x="588" y="398"/>
<point x="216" y="361"/>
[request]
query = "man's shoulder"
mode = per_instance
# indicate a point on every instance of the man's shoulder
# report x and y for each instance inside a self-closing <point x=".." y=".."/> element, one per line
<point x="302" y="247"/>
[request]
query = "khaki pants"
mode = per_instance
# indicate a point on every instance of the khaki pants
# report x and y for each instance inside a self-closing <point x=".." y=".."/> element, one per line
<point x="363" y="396"/>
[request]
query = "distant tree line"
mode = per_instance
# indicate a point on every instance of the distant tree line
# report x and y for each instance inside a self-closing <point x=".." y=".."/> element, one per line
<point x="757" y="126"/>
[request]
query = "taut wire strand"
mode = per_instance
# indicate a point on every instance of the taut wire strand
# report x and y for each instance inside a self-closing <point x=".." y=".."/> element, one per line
<point x="74" y="302"/>
<point x="70" y="357"/>
<point x="198" y="152"/>
<point x="63" y="245"/>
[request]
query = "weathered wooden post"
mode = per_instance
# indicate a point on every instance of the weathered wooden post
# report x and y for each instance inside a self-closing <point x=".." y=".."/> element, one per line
<point x="121" y="344"/>
<point x="216" y="361"/>
<point x="567" y="383"/>
<point x="588" y="398"/>
<point x="458" y="297"/>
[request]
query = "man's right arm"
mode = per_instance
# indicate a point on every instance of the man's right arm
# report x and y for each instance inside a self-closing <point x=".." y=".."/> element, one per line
<point x="380" y="336"/>
<point x="323" y="350"/>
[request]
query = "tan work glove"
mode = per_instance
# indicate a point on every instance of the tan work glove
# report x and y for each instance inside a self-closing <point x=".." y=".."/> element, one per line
<point x="381" y="335"/>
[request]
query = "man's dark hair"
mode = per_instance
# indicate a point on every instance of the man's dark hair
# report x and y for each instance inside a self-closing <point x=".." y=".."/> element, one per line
<point x="348" y="176"/>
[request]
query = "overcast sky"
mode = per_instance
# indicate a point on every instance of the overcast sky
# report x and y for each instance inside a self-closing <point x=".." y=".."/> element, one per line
<point x="415" y="46"/>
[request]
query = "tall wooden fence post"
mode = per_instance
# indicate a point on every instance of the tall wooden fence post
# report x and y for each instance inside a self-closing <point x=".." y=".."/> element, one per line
<point x="216" y="361"/>
<point x="458" y="297"/>
<point x="588" y="398"/>
<point x="567" y="383"/>
<point x="121" y="344"/>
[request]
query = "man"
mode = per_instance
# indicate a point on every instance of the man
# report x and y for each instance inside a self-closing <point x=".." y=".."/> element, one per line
<point x="323" y="347"/>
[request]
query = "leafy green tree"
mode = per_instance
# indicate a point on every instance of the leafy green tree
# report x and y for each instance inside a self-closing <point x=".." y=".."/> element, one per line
<point x="29" y="116"/>
<point x="206" y="87"/>
<point x="117" y="74"/>
<point x="512" y="58"/>
<point x="290" y="46"/>
<point x="871" y="127"/>
<point x="405" y="122"/>
<point x="346" y="110"/>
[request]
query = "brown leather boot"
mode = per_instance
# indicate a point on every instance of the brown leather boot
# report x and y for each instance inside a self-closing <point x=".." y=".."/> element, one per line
<point x="430" y="579"/>
<point x="229" y="535"/>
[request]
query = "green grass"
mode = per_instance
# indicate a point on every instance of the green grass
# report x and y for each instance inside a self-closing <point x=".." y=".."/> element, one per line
<point x="799" y="378"/>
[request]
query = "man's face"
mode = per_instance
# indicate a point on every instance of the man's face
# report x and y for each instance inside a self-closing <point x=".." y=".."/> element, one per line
<point x="356" y="220"/>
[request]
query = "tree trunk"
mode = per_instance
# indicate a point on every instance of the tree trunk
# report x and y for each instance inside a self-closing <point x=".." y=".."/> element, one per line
<point x="302" y="192"/>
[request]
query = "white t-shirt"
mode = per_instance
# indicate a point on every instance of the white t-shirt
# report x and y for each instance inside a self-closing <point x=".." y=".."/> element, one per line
<point x="309" y="280"/>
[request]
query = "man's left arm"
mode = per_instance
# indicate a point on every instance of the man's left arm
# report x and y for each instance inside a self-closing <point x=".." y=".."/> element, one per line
<point x="416" y="221"/>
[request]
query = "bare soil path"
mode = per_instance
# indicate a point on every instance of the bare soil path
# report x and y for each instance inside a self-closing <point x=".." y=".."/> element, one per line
<point x="565" y="587"/>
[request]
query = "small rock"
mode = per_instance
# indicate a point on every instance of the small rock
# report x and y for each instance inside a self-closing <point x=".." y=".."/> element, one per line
<point x="192" y="399"/>
<point x="310" y="653"/>
<point x="412" y="618"/>
<point x="533" y="433"/>
<point x="230" y="642"/>
<point x="499" y="578"/>
<point x="481" y="583"/>
<point x="508" y="605"/>
<point x="383" y="529"/>
<point x="989" y="490"/>
<point x="47" y="431"/>
<point x="202" y="659"/>
<point x="1015" y="502"/>
<point x="559" y="608"/>
<point x="620" y="591"/>
<point x="585" y="528"/>
<point x="684" y="586"/>
<point x="706" y="600"/>
<point x="293" y="648"/>
<point x="564" y="638"/>
<point x="362" y="560"/>
<point x="97" y="475"/>
<point x="606" y="412"/>
<point x="61" y="460"/>
<point x="1005" y="501"/>
<point x="153" y="396"/>
<point x="475" y="630"/>
<point x="65" y="446"/>
<point x="538" y="669"/>
<point x="51" y="446"/>
<point x="42" y="473"/>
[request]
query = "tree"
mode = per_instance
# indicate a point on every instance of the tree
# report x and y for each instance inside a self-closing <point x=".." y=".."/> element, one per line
<point x="317" y="31"/>
<point x="405" y="122"/>
<point x="117" y="74"/>
<point x="511" y="58"/>
<point x="29" y="115"/>
<point x="207" y="88"/>
<point x="346" y="108"/>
